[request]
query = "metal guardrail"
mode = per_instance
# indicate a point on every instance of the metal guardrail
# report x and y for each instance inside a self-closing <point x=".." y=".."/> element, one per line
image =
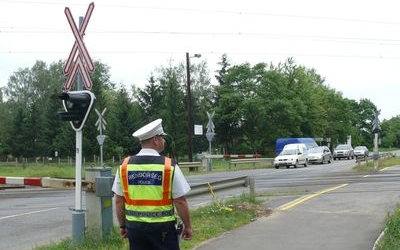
<point x="385" y="155"/>
<point x="195" y="165"/>
<point x="243" y="181"/>
<point x="381" y="155"/>
<point x="89" y="186"/>
<point x="250" y="160"/>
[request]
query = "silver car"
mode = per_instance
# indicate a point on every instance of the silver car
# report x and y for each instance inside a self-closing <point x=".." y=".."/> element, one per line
<point x="361" y="151"/>
<point x="343" y="151"/>
<point x="320" y="155"/>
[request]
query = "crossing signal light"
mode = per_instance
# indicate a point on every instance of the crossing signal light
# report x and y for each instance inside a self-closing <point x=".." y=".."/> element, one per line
<point x="77" y="106"/>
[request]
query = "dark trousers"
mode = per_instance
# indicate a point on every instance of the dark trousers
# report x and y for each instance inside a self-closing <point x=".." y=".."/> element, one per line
<point x="152" y="236"/>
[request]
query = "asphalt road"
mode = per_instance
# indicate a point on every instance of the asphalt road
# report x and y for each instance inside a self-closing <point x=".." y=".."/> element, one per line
<point x="347" y="216"/>
<point x="34" y="216"/>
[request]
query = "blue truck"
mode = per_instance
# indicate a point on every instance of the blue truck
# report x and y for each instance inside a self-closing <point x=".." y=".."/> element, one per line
<point x="281" y="142"/>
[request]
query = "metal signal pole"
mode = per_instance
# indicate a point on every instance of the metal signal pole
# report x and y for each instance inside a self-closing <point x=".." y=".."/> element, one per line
<point x="189" y="108"/>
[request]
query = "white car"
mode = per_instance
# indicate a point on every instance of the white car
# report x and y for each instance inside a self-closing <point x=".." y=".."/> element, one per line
<point x="292" y="155"/>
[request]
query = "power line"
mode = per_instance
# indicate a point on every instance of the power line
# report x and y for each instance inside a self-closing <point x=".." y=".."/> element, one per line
<point x="238" y="35"/>
<point x="258" y="54"/>
<point x="358" y="40"/>
<point x="216" y="11"/>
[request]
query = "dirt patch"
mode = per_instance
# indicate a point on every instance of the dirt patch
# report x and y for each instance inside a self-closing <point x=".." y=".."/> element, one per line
<point x="260" y="210"/>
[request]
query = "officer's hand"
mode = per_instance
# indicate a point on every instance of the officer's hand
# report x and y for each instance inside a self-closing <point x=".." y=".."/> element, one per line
<point x="124" y="233"/>
<point x="187" y="234"/>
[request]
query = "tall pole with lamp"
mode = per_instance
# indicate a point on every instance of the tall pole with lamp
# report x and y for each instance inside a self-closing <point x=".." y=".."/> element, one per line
<point x="189" y="108"/>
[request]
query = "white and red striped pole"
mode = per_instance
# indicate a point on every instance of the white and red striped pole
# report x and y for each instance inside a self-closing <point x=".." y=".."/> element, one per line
<point x="228" y="156"/>
<point x="30" y="181"/>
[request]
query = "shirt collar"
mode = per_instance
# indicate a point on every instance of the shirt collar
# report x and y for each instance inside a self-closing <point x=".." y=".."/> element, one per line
<point x="148" y="151"/>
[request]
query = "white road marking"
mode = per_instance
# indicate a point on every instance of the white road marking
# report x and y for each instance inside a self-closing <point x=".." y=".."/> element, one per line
<point x="23" y="214"/>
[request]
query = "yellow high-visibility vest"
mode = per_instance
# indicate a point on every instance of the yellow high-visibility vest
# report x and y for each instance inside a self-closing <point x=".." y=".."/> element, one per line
<point x="147" y="191"/>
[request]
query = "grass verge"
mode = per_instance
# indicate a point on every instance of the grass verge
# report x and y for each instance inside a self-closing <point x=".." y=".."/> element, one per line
<point x="37" y="170"/>
<point x="391" y="237"/>
<point x="111" y="242"/>
<point x="383" y="163"/>
<point x="65" y="170"/>
<point x="207" y="222"/>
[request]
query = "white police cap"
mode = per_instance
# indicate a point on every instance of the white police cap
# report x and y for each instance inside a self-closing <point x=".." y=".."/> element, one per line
<point x="150" y="130"/>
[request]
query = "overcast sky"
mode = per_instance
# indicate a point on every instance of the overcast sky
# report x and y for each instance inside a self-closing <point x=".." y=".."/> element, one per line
<point x="353" y="44"/>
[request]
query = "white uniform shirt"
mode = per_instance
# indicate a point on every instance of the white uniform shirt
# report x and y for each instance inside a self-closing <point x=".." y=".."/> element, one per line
<point x="180" y="186"/>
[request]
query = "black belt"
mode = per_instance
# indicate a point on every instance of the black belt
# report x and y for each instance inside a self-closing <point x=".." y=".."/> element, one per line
<point x="151" y="227"/>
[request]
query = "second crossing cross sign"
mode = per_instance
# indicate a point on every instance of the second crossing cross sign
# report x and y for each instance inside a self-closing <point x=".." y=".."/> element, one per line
<point x="83" y="62"/>
<point x="101" y="122"/>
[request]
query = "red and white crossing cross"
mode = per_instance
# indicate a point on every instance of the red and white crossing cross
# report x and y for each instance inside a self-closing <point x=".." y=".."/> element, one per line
<point x="79" y="62"/>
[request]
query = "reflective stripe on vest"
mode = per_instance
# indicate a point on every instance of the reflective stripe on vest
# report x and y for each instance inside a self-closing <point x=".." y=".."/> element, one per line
<point x="150" y="214"/>
<point x="166" y="199"/>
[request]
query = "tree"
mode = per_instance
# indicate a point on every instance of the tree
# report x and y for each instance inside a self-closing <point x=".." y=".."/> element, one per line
<point x="173" y="110"/>
<point x="29" y="90"/>
<point x="202" y="101"/>
<point x="254" y="105"/>
<point x="391" y="133"/>
<point x="125" y="117"/>
<point x="150" y="99"/>
<point x="364" y="117"/>
<point x="228" y="113"/>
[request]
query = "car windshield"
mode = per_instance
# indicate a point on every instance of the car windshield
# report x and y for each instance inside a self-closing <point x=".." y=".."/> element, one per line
<point x="342" y="147"/>
<point x="359" y="148"/>
<point x="289" y="152"/>
<point x="316" y="150"/>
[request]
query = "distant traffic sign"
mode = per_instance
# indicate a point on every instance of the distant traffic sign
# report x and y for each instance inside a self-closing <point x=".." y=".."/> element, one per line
<point x="101" y="122"/>
<point x="100" y="139"/>
<point x="83" y="62"/>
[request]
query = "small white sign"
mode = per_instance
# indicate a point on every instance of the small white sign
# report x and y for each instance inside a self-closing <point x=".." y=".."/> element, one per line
<point x="198" y="129"/>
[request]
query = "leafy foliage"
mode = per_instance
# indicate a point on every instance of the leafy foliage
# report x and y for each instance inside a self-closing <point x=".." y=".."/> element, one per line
<point x="253" y="104"/>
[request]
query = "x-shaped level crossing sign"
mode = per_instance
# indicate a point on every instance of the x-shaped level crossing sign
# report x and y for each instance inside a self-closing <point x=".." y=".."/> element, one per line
<point x="79" y="58"/>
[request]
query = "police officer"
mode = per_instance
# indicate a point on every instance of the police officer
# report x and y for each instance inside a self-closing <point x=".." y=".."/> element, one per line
<point x="148" y="188"/>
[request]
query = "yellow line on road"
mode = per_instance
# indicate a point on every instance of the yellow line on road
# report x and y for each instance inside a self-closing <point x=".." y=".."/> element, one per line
<point x="380" y="170"/>
<point x="306" y="198"/>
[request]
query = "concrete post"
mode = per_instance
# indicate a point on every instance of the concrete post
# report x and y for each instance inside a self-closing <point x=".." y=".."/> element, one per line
<point x="99" y="204"/>
<point x="376" y="152"/>
<point x="78" y="226"/>
<point x="251" y="184"/>
<point x="204" y="161"/>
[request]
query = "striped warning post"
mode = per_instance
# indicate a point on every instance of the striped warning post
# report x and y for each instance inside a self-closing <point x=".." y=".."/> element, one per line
<point x="229" y="156"/>
<point x="29" y="181"/>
